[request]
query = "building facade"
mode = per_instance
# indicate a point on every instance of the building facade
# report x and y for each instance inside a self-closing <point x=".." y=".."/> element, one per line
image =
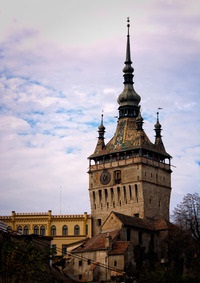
<point x="129" y="174"/>
<point x="64" y="229"/>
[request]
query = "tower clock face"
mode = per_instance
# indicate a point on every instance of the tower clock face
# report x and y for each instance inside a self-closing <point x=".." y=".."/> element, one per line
<point x="105" y="177"/>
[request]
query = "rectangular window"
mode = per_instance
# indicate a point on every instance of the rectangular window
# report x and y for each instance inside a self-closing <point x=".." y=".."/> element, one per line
<point x="53" y="247"/>
<point x="80" y="263"/>
<point x="64" y="249"/>
<point x="117" y="177"/>
<point x="89" y="261"/>
<point x="98" y="222"/>
<point x="115" y="263"/>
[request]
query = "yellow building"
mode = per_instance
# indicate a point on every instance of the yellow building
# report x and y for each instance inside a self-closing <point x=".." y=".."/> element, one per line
<point x="65" y="229"/>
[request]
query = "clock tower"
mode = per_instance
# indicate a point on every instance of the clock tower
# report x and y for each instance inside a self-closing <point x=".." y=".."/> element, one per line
<point x="129" y="174"/>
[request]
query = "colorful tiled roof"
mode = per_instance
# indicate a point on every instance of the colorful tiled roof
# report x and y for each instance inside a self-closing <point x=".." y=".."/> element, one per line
<point x="127" y="138"/>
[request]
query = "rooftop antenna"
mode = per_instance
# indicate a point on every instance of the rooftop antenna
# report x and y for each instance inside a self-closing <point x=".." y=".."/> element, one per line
<point x="60" y="198"/>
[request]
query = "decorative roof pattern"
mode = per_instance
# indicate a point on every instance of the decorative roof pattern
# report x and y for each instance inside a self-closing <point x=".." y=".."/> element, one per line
<point x="127" y="137"/>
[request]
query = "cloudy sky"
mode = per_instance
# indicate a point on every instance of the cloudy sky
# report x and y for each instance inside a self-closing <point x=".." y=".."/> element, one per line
<point x="61" y="64"/>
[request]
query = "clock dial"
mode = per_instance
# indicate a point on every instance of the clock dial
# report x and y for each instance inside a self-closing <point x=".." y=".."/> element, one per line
<point x="105" y="177"/>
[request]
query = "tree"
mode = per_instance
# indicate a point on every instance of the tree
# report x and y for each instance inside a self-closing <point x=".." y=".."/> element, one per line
<point x="185" y="243"/>
<point x="24" y="260"/>
<point x="187" y="215"/>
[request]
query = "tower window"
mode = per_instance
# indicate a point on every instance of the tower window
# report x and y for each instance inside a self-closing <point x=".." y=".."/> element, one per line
<point x="118" y="194"/>
<point x="100" y="196"/>
<point x="117" y="177"/>
<point x="112" y="194"/>
<point x="130" y="192"/>
<point x="98" y="222"/>
<point x="125" y="194"/>
<point x="106" y="195"/>
<point x="94" y="199"/>
<point x="136" y="193"/>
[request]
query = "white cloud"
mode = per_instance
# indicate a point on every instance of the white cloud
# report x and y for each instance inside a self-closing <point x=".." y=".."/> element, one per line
<point x="59" y="70"/>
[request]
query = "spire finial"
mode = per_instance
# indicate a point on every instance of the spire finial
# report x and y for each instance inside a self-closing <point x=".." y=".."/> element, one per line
<point x="128" y="25"/>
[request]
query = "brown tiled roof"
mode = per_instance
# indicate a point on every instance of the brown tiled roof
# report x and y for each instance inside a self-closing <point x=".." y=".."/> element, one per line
<point x="96" y="243"/>
<point x="163" y="224"/>
<point x="119" y="247"/>
<point x="133" y="221"/>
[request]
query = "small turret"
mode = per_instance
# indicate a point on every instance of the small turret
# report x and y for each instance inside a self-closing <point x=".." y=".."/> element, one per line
<point x="158" y="137"/>
<point x="139" y="122"/>
<point x="101" y="129"/>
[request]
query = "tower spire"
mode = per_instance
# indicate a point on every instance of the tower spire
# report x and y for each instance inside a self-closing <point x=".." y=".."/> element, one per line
<point x="128" y="100"/>
<point x="128" y="69"/>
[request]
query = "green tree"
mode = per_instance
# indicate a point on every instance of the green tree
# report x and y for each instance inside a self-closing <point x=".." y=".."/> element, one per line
<point x="24" y="260"/>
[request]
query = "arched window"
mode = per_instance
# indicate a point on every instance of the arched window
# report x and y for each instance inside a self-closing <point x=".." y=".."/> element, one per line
<point x="36" y="230"/>
<point x="19" y="229"/>
<point x="25" y="230"/>
<point x="53" y="230"/>
<point x="42" y="230"/>
<point x="9" y="228"/>
<point x="65" y="230"/>
<point x="76" y="230"/>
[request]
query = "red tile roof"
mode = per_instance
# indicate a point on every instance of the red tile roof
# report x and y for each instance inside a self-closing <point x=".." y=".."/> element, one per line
<point x="96" y="243"/>
<point x="119" y="247"/>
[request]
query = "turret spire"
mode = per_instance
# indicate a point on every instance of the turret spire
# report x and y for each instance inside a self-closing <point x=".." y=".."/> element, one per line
<point x="101" y="129"/>
<point x="158" y="137"/>
<point x="158" y="127"/>
<point x="128" y="100"/>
